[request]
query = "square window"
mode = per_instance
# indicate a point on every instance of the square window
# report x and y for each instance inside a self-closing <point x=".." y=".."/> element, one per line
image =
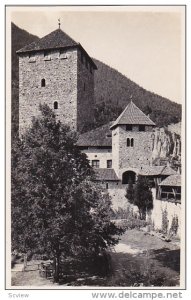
<point x="129" y="127"/>
<point x="95" y="163"/>
<point x="109" y="163"/>
<point x="141" y="127"/>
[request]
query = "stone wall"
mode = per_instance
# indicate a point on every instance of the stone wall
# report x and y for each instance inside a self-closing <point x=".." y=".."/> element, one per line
<point x="60" y="74"/>
<point x="125" y="157"/>
<point x="173" y="209"/>
<point x="85" y="94"/>
<point x="115" y="149"/>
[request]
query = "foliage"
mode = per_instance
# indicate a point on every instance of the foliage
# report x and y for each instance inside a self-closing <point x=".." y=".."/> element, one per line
<point x="127" y="218"/>
<point x="174" y="225"/>
<point x="141" y="196"/>
<point x="130" y="192"/>
<point x="56" y="206"/>
<point x="165" y="221"/>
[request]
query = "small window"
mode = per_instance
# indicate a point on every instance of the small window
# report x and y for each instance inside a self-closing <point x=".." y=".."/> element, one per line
<point x="129" y="127"/>
<point x="47" y="55"/>
<point x="107" y="185"/>
<point x="128" y="142"/>
<point x="43" y="82"/>
<point x="55" y="105"/>
<point x="109" y="163"/>
<point x="132" y="142"/>
<point x="95" y="163"/>
<point x="141" y="127"/>
<point x="84" y="86"/>
<point x="63" y="54"/>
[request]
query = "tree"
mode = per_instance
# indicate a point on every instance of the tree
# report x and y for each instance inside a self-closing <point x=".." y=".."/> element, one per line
<point x="140" y="195"/>
<point x="56" y="207"/>
<point x="130" y="192"/>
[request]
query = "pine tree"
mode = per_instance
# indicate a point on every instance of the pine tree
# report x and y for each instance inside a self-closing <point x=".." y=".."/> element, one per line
<point x="143" y="198"/>
<point x="130" y="192"/>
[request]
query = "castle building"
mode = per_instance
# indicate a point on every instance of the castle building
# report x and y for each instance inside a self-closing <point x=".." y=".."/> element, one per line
<point x="57" y="71"/>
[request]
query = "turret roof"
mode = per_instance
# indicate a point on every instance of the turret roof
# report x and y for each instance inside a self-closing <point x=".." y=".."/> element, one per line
<point x="132" y="115"/>
<point x="57" y="39"/>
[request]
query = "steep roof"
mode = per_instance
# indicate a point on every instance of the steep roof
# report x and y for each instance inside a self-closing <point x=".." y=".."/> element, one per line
<point x="173" y="180"/>
<point x="156" y="171"/>
<point x="168" y="171"/>
<point x="101" y="136"/>
<point x="104" y="174"/>
<point x="57" y="39"/>
<point x="132" y="115"/>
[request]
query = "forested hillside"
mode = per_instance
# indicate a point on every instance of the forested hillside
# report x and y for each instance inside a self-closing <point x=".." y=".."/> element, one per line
<point x="113" y="91"/>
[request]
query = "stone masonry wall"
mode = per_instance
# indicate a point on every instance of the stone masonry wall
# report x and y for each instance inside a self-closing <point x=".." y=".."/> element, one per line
<point x="115" y="150"/>
<point x="85" y="94"/>
<point x="140" y="153"/>
<point x="60" y="75"/>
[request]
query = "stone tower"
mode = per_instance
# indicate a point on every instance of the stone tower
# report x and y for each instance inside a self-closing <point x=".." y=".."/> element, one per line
<point x="57" y="71"/>
<point x="131" y="140"/>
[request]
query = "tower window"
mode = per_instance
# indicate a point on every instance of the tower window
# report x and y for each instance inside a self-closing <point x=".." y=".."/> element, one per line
<point x="43" y="82"/>
<point x="55" y="105"/>
<point x="84" y="86"/>
<point x="109" y="163"/>
<point x="129" y="127"/>
<point x="95" y="163"/>
<point x="130" y="142"/>
<point x="141" y="127"/>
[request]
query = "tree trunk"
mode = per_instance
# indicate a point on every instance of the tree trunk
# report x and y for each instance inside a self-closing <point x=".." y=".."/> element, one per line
<point x="56" y="266"/>
<point x="25" y="262"/>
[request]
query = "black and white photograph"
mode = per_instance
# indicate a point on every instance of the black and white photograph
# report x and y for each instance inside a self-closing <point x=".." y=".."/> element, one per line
<point x="95" y="131"/>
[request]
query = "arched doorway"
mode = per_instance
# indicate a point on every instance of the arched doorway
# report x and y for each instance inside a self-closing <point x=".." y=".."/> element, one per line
<point x="128" y="176"/>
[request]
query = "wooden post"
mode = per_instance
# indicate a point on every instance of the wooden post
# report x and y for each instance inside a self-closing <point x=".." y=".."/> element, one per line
<point x="25" y="262"/>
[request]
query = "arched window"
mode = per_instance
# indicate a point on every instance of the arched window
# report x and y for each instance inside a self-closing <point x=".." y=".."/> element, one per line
<point x="132" y="142"/>
<point x="128" y="142"/>
<point x="55" y="105"/>
<point x="43" y="82"/>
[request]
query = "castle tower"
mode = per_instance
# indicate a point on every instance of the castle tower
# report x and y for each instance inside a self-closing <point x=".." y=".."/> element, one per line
<point x="131" y="141"/>
<point x="57" y="71"/>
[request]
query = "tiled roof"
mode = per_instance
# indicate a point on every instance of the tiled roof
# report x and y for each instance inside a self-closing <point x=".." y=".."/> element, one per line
<point x="54" y="40"/>
<point x="106" y="175"/>
<point x="101" y="136"/>
<point x="156" y="170"/>
<point x="173" y="180"/>
<point x="151" y="170"/>
<point x="132" y="115"/>
<point x="168" y="171"/>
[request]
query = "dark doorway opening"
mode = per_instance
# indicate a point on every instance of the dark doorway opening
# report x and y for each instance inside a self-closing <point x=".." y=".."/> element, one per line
<point x="128" y="176"/>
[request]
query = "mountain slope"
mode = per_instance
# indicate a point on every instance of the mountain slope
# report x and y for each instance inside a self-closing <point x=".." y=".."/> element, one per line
<point x="112" y="91"/>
